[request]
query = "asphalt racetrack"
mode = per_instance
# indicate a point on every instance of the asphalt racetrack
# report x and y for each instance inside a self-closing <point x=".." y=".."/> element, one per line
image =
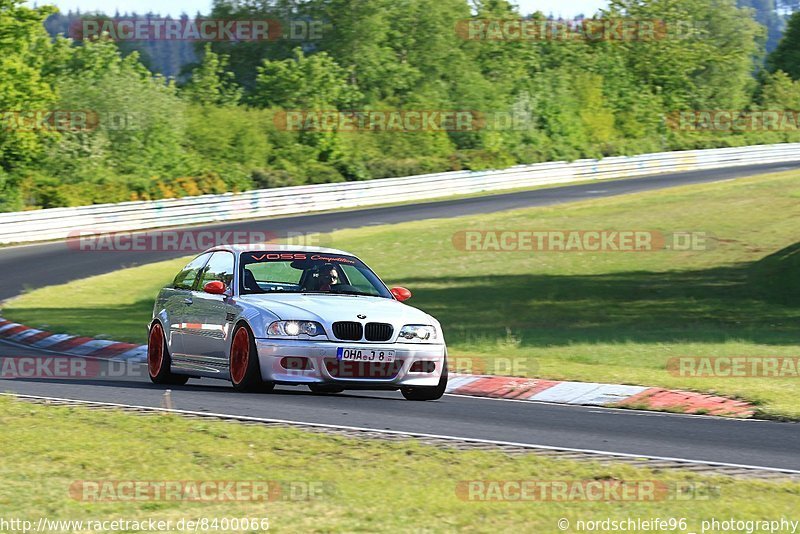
<point x="747" y="442"/>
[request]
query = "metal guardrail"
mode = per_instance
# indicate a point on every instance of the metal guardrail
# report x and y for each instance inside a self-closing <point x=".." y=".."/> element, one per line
<point x="60" y="223"/>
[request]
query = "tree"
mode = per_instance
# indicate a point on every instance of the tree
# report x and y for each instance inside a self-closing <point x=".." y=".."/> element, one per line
<point x="140" y="127"/>
<point x="211" y="83"/>
<point x="780" y="92"/>
<point x="247" y="56"/>
<point x="24" y="46"/>
<point x="767" y="15"/>
<point x="786" y="56"/>
<point x="704" y="61"/>
<point x="304" y="82"/>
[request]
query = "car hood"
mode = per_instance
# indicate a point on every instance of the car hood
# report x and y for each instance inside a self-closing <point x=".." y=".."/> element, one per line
<point x="330" y="308"/>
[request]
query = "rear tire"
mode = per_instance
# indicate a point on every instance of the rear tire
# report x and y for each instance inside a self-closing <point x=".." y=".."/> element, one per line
<point x="427" y="393"/>
<point x="243" y="363"/>
<point x="159" y="361"/>
<point x="322" y="389"/>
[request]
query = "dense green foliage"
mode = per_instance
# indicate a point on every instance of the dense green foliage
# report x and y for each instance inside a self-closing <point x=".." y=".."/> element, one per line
<point x="786" y="56"/>
<point x="220" y="128"/>
<point x="767" y="14"/>
<point x="169" y="58"/>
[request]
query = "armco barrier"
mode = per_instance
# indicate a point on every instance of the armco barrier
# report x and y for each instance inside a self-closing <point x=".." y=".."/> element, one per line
<point x="59" y="223"/>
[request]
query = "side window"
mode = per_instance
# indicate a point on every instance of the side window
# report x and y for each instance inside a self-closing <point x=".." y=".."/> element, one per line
<point x="220" y="267"/>
<point x="188" y="275"/>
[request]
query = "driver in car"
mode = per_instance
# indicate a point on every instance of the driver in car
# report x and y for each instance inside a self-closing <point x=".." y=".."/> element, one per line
<point x="328" y="277"/>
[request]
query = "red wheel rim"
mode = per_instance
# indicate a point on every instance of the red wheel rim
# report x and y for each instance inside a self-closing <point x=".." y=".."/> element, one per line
<point x="240" y="355"/>
<point x="155" y="350"/>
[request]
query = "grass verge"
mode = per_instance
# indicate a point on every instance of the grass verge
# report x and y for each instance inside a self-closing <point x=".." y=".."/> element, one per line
<point x="590" y="316"/>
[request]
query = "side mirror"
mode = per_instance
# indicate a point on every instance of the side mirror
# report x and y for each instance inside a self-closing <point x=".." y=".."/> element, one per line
<point x="215" y="288"/>
<point x="401" y="293"/>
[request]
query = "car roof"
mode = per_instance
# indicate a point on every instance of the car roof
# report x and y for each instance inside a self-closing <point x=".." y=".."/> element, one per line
<point x="258" y="247"/>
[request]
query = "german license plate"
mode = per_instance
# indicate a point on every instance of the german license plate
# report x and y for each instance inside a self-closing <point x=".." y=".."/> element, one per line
<point x="364" y="355"/>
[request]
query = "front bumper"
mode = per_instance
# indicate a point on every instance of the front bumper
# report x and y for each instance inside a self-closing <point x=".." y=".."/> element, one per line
<point x="325" y="369"/>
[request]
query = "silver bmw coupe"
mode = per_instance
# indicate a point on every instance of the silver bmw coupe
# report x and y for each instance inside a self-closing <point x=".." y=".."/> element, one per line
<point x="260" y="315"/>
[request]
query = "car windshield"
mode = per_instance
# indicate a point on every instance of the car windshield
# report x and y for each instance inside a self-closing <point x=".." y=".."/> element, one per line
<point x="307" y="272"/>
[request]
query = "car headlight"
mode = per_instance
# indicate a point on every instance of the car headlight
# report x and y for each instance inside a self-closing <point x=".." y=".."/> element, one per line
<point x="295" y="329"/>
<point x="417" y="333"/>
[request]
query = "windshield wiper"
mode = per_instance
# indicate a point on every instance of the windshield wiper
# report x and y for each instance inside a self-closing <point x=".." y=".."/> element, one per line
<point x="333" y="292"/>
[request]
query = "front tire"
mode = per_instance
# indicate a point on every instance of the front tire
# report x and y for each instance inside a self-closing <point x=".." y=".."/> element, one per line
<point x="243" y="363"/>
<point x="427" y="393"/>
<point x="159" y="361"/>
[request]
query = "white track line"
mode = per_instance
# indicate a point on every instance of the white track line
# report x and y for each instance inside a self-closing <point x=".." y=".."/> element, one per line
<point x="411" y="434"/>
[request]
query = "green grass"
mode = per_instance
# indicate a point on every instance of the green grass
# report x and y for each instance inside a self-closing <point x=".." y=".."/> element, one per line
<point x="367" y="486"/>
<point x="611" y="317"/>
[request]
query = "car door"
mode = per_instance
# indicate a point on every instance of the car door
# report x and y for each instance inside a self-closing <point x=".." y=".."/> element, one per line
<point x="178" y="302"/>
<point x="210" y="316"/>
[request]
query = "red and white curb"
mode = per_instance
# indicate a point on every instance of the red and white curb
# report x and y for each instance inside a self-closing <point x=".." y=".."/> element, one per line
<point x="67" y="344"/>
<point x="595" y="394"/>
<point x="497" y="387"/>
